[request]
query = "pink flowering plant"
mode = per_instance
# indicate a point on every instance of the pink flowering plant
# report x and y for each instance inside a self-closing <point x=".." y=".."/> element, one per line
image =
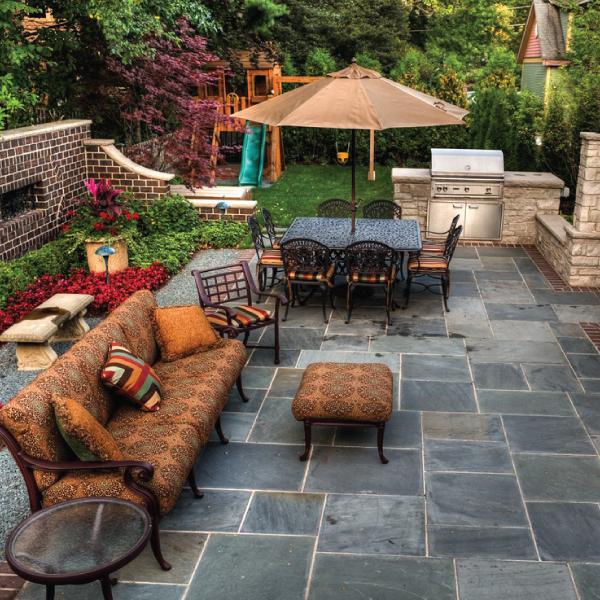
<point x="107" y="213"/>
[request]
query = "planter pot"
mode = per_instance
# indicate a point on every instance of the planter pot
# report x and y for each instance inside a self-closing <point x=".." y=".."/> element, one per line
<point x="117" y="262"/>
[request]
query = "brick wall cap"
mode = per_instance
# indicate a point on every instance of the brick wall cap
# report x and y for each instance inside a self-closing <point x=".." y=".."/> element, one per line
<point x="411" y="175"/>
<point x="119" y="158"/>
<point x="556" y="225"/>
<point x="590" y="135"/>
<point x="220" y="192"/>
<point x="33" y="130"/>
<point x="98" y="142"/>
<point x="246" y="204"/>
<point x="531" y="179"/>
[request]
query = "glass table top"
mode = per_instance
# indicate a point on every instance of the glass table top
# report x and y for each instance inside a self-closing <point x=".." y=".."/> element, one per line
<point x="399" y="234"/>
<point x="76" y="537"/>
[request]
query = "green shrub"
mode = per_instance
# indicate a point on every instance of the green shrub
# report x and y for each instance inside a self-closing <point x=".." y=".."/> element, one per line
<point x="172" y="250"/>
<point x="222" y="234"/>
<point x="54" y="257"/>
<point x="169" y="214"/>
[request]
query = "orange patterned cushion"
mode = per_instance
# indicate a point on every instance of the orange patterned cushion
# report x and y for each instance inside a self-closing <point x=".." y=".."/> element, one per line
<point x="182" y="331"/>
<point x="427" y="263"/>
<point x="434" y="247"/>
<point x="243" y="317"/>
<point x="82" y="432"/>
<point x="271" y="258"/>
<point x="312" y="275"/>
<point x="369" y="277"/>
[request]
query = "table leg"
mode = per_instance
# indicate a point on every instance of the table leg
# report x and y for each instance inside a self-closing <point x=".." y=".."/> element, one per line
<point x="106" y="588"/>
<point x="49" y="592"/>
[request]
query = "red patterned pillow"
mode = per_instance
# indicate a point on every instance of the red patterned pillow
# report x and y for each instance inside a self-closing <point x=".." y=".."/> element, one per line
<point x="131" y="377"/>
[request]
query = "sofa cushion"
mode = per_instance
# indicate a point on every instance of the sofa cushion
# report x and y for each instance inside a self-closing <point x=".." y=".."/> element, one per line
<point x="170" y="447"/>
<point x="29" y="416"/>
<point x="84" y="435"/>
<point x="182" y="331"/>
<point x="135" y="317"/>
<point x="132" y="378"/>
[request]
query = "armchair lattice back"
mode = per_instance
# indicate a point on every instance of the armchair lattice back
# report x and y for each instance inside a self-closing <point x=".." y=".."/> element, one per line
<point x="270" y="228"/>
<point x="267" y="259"/>
<point x="382" y="209"/>
<point x="307" y="263"/>
<point x="371" y="264"/>
<point x="433" y="265"/>
<point x="220" y="291"/>
<point x="335" y="208"/>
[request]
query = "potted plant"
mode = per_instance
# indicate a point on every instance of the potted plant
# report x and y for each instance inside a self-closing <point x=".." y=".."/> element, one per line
<point x="106" y="217"/>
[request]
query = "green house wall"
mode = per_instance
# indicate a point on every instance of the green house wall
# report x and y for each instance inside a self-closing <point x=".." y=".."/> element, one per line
<point x="533" y="78"/>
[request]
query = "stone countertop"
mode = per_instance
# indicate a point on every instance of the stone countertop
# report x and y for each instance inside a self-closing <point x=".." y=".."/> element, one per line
<point x="522" y="179"/>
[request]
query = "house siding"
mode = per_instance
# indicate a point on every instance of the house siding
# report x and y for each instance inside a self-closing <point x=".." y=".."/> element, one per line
<point x="533" y="78"/>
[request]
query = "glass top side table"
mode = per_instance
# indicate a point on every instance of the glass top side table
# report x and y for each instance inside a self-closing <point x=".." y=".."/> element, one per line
<point x="78" y="541"/>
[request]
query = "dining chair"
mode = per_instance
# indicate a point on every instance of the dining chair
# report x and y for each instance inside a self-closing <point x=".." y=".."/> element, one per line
<point x="335" y="208"/>
<point x="220" y="286"/>
<point x="267" y="259"/>
<point x="270" y="228"/>
<point x="439" y="246"/>
<point x="382" y="209"/>
<point x="307" y="263"/>
<point x="370" y="264"/>
<point x="433" y="265"/>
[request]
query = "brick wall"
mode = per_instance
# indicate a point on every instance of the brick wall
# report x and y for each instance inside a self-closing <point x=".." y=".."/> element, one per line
<point x="57" y="158"/>
<point x="51" y="156"/>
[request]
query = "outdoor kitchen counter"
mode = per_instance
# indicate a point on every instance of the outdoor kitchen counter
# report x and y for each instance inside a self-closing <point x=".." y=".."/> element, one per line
<point x="526" y="195"/>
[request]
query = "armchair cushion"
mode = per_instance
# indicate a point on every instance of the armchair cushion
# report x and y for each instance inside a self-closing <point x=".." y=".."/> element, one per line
<point x="82" y="432"/>
<point x="427" y="263"/>
<point x="132" y="378"/>
<point x="271" y="258"/>
<point x="369" y="277"/>
<point x="182" y="331"/>
<point x="243" y="316"/>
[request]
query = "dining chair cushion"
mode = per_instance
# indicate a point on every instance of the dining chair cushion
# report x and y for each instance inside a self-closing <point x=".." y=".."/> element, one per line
<point x="427" y="263"/>
<point x="369" y="277"/>
<point x="244" y="316"/>
<point x="325" y="276"/>
<point x="271" y="258"/>
<point x="86" y="437"/>
<point x="182" y="331"/>
<point x="434" y="247"/>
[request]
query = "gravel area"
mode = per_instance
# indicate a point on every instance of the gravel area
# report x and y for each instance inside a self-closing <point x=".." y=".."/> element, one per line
<point x="13" y="498"/>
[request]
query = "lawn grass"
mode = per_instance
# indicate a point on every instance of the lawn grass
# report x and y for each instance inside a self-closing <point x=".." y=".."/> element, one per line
<point x="302" y="188"/>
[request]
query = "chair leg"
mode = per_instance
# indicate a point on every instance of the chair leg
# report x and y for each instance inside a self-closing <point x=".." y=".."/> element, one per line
<point x="388" y="302"/>
<point x="261" y="277"/>
<point x="445" y="291"/>
<point x="273" y="273"/>
<point x="240" y="389"/>
<point x="192" y="483"/>
<point x="307" y="440"/>
<point x="407" y="291"/>
<point x="220" y="433"/>
<point x="380" y="432"/>
<point x="324" y="293"/>
<point x="348" y="303"/>
<point x="290" y="299"/>
<point x="49" y="591"/>
<point x="276" y="326"/>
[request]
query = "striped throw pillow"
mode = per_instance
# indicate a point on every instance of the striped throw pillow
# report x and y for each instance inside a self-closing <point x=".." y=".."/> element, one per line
<point x="131" y="377"/>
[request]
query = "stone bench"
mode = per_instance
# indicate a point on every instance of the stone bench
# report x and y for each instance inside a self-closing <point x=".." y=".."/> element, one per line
<point x="58" y="319"/>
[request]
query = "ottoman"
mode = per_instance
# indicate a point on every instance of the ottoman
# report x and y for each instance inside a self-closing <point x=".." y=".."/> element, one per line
<point x="344" y="394"/>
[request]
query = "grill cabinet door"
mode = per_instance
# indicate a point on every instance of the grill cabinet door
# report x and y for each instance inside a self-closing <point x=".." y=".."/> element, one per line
<point x="441" y="214"/>
<point x="483" y="221"/>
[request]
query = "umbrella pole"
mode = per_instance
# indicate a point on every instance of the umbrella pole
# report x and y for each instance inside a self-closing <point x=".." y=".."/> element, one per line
<point x="353" y="153"/>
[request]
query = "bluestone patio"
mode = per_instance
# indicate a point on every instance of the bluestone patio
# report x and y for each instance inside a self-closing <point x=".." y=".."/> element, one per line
<point x="492" y="491"/>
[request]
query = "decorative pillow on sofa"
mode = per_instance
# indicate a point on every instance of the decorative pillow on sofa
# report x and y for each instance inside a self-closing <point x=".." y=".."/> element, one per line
<point x="182" y="331"/>
<point x="83" y="434"/>
<point x="131" y="377"/>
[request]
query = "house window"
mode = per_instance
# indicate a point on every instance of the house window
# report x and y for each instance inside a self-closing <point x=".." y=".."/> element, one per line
<point x="16" y="202"/>
<point x="260" y="85"/>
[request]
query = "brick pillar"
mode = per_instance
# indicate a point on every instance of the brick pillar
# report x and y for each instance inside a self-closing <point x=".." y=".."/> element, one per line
<point x="587" y="204"/>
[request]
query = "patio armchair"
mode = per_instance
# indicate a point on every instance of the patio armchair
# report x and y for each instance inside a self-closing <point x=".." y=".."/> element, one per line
<point x="267" y="259"/>
<point x="382" y="209"/>
<point x="307" y="264"/>
<point x="433" y="265"/>
<point x="335" y="208"/>
<point x="371" y="264"/>
<point x="439" y="246"/>
<point x="220" y="286"/>
<point x="270" y="228"/>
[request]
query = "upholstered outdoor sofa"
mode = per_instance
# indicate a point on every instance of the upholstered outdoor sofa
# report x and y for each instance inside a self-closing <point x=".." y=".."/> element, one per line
<point x="160" y="448"/>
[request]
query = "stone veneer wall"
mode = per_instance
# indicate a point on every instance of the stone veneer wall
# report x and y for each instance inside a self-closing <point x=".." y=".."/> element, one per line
<point x="525" y="196"/>
<point x="574" y="250"/>
<point x="56" y="158"/>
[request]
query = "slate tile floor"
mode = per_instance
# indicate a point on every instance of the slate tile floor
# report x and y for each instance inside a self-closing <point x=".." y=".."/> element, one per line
<point x="492" y="491"/>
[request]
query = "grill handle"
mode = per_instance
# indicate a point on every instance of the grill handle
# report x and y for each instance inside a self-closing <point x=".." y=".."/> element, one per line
<point x="473" y="206"/>
<point x="457" y="206"/>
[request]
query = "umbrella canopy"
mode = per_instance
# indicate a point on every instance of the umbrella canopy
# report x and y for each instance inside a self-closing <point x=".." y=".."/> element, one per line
<point x="354" y="98"/>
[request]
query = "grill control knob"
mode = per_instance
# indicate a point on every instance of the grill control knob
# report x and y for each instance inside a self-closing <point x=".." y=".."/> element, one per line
<point x="445" y="188"/>
<point x="488" y="190"/>
<point x="467" y="190"/>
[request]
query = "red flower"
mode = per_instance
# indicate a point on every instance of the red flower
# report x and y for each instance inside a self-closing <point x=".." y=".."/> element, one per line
<point x="135" y="216"/>
<point x="98" y="226"/>
<point x="65" y="227"/>
<point x="113" y="231"/>
<point x="71" y="213"/>
<point x="104" y="215"/>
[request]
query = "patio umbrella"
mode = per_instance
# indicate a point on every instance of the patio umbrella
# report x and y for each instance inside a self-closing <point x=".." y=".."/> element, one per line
<point x="354" y="98"/>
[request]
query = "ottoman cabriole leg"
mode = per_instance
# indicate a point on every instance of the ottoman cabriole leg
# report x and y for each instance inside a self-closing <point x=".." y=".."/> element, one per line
<point x="380" y="432"/>
<point x="307" y="440"/>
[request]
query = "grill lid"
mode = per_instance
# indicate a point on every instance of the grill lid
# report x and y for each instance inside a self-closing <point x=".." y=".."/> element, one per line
<point x="452" y="162"/>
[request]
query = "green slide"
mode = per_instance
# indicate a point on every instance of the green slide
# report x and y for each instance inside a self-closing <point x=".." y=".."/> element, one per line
<point x="253" y="154"/>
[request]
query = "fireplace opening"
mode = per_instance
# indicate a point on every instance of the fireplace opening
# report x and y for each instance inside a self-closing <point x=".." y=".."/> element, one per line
<point x="16" y="202"/>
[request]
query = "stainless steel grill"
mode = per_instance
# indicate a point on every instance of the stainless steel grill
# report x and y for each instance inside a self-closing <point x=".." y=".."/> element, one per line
<point x="469" y="183"/>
